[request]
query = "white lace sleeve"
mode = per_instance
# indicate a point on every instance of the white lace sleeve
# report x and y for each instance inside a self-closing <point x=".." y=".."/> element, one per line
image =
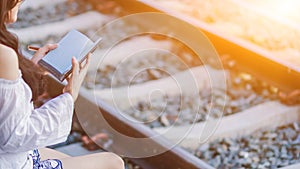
<point x="24" y="128"/>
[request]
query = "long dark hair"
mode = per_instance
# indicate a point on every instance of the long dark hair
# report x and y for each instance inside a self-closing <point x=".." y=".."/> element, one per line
<point x="32" y="74"/>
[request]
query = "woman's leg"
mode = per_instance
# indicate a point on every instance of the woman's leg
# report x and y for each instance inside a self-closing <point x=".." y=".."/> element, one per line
<point x="94" y="161"/>
<point x="47" y="153"/>
<point x="103" y="160"/>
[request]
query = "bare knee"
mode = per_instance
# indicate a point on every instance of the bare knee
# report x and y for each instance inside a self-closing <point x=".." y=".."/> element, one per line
<point x="116" y="162"/>
<point x="94" y="161"/>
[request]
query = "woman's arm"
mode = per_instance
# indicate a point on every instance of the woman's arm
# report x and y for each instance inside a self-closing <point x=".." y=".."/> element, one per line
<point x="26" y="128"/>
<point x="23" y="128"/>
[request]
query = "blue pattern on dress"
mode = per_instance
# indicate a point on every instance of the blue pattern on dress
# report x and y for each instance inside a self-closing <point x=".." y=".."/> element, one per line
<point x="45" y="164"/>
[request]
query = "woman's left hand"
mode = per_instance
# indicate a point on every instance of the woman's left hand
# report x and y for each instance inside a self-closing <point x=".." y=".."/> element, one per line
<point x="42" y="52"/>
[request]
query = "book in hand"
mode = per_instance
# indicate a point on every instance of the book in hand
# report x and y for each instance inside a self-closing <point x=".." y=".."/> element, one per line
<point x="59" y="61"/>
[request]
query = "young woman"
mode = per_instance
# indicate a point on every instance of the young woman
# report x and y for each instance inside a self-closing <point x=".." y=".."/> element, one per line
<point x="23" y="129"/>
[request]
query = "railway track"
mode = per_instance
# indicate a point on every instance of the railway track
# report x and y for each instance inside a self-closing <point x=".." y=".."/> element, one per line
<point x="171" y="130"/>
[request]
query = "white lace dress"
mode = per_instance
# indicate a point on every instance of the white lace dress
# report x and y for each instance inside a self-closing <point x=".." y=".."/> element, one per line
<point x="23" y="128"/>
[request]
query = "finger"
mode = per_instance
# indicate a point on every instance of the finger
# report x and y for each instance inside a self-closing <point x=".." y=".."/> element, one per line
<point x="45" y="49"/>
<point x="68" y="79"/>
<point x="84" y="70"/>
<point x="81" y="65"/>
<point x="88" y="58"/>
<point x="52" y="46"/>
<point x="75" y="66"/>
<point x="87" y="62"/>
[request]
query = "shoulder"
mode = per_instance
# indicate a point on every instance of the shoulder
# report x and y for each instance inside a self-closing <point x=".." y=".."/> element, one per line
<point x="9" y="66"/>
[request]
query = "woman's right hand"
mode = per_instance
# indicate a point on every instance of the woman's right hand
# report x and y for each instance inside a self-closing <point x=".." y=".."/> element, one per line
<point x="76" y="78"/>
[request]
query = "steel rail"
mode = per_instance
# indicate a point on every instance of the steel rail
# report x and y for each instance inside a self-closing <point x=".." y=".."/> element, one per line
<point x="248" y="57"/>
<point x="88" y="112"/>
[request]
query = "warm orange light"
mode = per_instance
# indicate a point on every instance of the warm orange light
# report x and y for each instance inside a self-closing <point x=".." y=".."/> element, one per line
<point x="288" y="9"/>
